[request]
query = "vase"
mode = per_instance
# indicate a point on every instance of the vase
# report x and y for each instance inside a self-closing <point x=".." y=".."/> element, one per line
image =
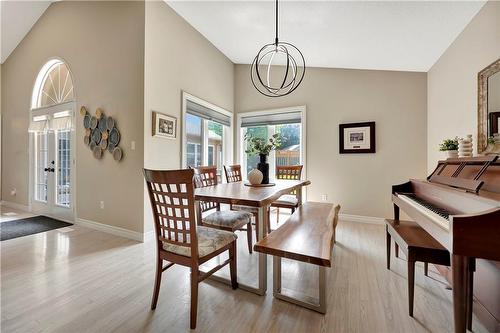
<point x="452" y="153"/>
<point x="465" y="146"/>
<point x="255" y="177"/>
<point x="263" y="167"/>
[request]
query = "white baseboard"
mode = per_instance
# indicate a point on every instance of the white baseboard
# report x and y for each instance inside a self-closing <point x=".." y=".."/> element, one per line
<point x="362" y="219"/>
<point x="15" y="205"/>
<point x="117" y="231"/>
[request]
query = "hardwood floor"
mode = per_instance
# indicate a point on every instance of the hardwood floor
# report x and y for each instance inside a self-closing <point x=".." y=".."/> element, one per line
<point x="80" y="280"/>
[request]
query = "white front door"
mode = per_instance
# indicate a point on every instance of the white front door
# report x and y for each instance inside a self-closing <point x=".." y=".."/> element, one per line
<point x="52" y="173"/>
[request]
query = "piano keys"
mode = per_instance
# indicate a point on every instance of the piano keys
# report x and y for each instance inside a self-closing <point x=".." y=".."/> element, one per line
<point x="459" y="205"/>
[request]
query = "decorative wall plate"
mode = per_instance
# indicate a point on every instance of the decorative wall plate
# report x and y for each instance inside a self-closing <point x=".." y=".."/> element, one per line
<point x="114" y="136"/>
<point x="98" y="113"/>
<point x="102" y="124"/>
<point x="97" y="151"/>
<point x="88" y="131"/>
<point x="103" y="144"/>
<point x="104" y="135"/>
<point x="86" y="140"/>
<point x="86" y="121"/>
<point x="83" y="111"/>
<point x="93" y="122"/>
<point x="111" y="147"/>
<point x="92" y="145"/>
<point x="111" y="123"/>
<point x="117" y="154"/>
<point x="96" y="136"/>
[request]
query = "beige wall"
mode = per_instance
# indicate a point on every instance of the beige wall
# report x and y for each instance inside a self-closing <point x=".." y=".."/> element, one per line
<point x="103" y="45"/>
<point x="396" y="101"/>
<point x="452" y="81"/>
<point x="177" y="58"/>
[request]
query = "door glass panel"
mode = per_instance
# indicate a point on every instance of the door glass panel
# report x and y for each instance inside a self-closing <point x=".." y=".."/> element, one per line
<point x="259" y="132"/>
<point x="63" y="175"/>
<point x="42" y="151"/>
<point x="289" y="152"/>
<point x="194" y="140"/>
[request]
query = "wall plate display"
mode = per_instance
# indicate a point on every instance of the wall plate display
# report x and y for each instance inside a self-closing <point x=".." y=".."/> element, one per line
<point x="164" y="126"/>
<point x="101" y="134"/>
<point x="357" y="138"/>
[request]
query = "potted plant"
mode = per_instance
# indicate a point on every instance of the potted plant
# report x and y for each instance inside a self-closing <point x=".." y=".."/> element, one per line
<point x="262" y="147"/>
<point x="450" y="146"/>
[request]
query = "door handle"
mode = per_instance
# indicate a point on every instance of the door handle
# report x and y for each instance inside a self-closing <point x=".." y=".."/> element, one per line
<point x="49" y="170"/>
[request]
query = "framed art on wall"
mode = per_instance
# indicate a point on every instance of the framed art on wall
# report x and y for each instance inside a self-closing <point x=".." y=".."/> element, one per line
<point x="356" y="138"/>
<point x="164" y="126"/>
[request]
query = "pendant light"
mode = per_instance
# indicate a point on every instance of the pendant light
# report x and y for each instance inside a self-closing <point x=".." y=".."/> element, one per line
<point x="288" y="73"/>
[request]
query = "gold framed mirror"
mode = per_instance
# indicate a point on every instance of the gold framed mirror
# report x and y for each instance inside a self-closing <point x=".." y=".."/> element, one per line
<point x="488" y="113"/>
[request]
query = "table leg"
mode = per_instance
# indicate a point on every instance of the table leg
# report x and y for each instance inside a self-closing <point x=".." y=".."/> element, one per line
<point x="298" y="193"/>
<point x="262" y="279"/>
<point x="460" y="268"/>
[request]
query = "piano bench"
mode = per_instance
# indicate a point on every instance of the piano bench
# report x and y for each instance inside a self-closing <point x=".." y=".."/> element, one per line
<point x="417" y="245"/>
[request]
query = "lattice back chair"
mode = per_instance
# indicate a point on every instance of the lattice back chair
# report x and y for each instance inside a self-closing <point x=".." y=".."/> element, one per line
<point x="206" y="176"/>
<point x="178" y="239"/>
<point x="290" y="201"/>
<point x="233" y="173"/>
<point x="230" y="220"/>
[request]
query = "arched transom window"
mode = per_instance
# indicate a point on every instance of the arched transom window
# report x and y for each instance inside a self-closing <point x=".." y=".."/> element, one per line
<point x="53" y="85"/>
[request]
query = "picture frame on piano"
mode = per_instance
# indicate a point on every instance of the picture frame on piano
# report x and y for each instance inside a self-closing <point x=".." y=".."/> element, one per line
<point x="357" y="138"/>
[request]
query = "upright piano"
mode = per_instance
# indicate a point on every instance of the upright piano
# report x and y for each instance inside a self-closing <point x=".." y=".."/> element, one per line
<point x="459" y="205"/>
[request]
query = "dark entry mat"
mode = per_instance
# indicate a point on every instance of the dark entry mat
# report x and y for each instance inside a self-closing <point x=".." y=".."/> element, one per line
<point x="29" y="226"/>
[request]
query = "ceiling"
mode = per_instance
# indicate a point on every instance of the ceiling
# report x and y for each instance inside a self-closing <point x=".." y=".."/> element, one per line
<point x="382" y="35"/>
<point x="16" y="20"/>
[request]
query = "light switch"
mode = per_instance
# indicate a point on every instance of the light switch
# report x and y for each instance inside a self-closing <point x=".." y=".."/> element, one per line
<point x="132" y="145"/>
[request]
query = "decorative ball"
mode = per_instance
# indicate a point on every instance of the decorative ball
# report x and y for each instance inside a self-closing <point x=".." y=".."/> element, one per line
<point x="255" y="177"/>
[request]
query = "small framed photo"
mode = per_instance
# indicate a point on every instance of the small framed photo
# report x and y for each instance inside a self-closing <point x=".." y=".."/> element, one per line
<point x="357" y="138"/>
<point x="164" y="126"/>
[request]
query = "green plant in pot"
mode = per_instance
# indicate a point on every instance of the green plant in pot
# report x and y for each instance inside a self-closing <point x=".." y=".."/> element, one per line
<point x="262" y="147"/>
<point x="450" y="146"/>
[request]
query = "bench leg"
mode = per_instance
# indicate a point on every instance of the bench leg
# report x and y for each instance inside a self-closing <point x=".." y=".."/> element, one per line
<point x="411" y="285"/>
<point x="318" y="305"/>
<point x="388" y="241"/>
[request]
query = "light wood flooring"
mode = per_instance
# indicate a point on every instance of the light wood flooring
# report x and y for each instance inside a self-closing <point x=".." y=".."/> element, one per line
<point x="80" y="280"/>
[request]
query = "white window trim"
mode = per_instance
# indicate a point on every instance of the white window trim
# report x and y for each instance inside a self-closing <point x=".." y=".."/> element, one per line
<point x="227" y="137"/>
<point x="239" y="137"/>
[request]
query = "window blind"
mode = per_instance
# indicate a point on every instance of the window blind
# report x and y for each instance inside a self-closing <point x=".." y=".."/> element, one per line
<point x="201" y="111"/>
<point x="293" y="117"/>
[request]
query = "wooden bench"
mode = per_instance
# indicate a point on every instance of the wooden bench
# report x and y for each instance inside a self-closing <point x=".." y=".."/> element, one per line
<point x="307" y="236"/>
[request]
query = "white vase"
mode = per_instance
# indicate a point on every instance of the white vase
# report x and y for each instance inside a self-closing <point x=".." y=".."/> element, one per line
<point x="255" y="177"/>
<point x="452" y="153"/>
<point x="465" y="146"/>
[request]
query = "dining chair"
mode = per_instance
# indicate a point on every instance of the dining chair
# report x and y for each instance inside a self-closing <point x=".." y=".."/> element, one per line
<point x="233" y="174"/>
<point x="178" y="238"/>
<point x="289" y="201"/>
<point x="229" y="220"/>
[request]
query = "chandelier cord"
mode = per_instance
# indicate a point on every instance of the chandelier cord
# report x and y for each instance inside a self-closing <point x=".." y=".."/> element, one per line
<point x="276" y="39"/>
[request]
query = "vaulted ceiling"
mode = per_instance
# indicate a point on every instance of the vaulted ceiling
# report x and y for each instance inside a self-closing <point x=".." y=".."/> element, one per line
<point x="384" y="35"/>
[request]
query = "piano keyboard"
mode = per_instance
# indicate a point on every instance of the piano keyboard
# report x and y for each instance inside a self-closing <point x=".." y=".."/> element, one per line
<point x="436" y="214"/>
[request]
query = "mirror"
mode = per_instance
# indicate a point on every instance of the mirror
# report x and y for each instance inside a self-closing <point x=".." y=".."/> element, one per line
<point x="488" y="140"/>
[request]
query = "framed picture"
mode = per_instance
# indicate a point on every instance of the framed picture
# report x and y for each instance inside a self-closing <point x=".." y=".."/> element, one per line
<point x="164" y="126"/>
<point x="356" y="138"/>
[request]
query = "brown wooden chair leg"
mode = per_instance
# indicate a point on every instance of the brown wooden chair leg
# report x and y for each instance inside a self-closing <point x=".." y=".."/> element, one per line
<point x="388" y="240"/>
<point x="256" y="216"/>
<point x="411" y="285"/>
<point x="194" y="296"/>
<point x="426" y="268"/>
<point x="156" y="292"/>
<point x="233" y="265"/>
<point x="396" y="250"/>
<point x="249" y="237"/>
<point x="277" y="215"/>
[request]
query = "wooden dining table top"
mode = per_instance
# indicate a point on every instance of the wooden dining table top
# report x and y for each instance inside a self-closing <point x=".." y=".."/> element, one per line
<point x="238" y="193"/>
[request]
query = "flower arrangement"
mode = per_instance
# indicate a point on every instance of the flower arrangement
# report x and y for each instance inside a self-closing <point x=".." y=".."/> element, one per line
<point x="260" y="146"/>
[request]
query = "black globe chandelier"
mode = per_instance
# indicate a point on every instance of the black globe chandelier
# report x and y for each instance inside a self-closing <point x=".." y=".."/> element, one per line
<point x="291" y="68"/>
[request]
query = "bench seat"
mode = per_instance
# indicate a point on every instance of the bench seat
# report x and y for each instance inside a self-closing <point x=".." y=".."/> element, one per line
<point x="307" y="236"/>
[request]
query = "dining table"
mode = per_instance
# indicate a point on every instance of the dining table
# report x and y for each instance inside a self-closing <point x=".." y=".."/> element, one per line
<point x="260" y="197"/>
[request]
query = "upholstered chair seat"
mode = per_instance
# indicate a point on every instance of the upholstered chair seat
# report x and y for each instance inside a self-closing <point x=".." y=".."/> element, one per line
<point x="287" y="199"/>
<point x="228" y="218"/>
<point x="209" y="241"/>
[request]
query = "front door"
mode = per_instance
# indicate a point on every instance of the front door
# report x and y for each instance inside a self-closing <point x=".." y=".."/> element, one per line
<point x="52" y="174"/>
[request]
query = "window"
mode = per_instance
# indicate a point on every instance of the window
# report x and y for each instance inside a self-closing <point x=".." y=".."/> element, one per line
<point x="41" y="162"/>
<point x="63" y="172"/>
<point x="263" y="124"/>
<point x="207" y="134"/>
<point x="55" y="86"/>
